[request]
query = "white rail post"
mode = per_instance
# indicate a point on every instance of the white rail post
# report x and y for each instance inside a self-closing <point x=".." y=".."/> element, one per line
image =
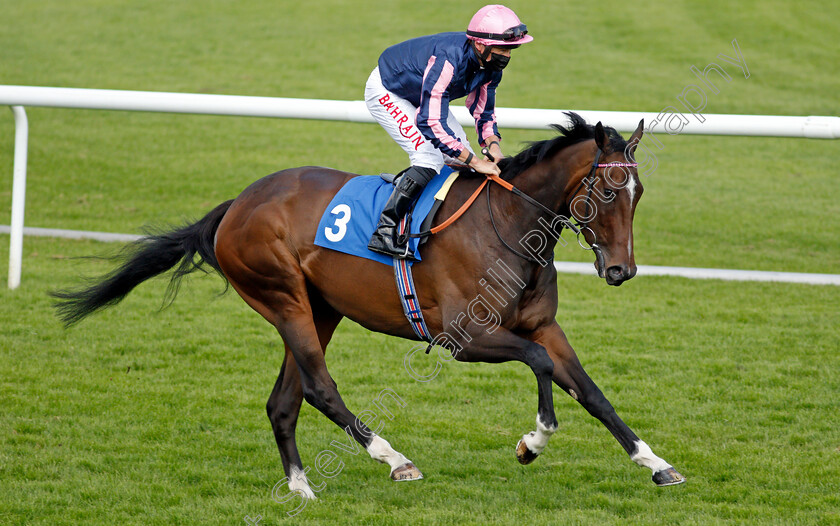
<point x="18" y="195"/>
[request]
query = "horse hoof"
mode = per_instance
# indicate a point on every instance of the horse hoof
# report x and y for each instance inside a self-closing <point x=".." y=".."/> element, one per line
<point x="523" y="454"/>
<point x="406" y="472"/>
<point x="668" y="477"/>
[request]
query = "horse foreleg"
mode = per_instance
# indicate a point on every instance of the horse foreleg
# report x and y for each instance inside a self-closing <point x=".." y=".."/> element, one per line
<point x="570" y="376"/>
<point x="503" y="346"/>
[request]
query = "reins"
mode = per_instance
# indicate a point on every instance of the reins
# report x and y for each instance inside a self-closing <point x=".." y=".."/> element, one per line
<point x="458" y="213"/>
<point x="564" y="221"/>
<point x="488" y="178"/>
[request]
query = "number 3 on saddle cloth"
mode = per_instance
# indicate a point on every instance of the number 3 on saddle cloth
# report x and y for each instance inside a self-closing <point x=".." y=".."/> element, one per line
<point x="352" y="216"/>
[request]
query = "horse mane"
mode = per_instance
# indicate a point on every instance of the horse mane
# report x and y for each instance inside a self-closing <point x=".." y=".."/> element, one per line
<point x="537" y="151"/>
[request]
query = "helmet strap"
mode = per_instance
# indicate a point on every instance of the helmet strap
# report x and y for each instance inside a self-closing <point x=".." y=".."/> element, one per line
<point x="483" y="56"/>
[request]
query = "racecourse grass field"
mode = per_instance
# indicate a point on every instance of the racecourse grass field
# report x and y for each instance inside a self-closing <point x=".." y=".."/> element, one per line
<point x="147" y="417"/>
<point x="142" y="416"/>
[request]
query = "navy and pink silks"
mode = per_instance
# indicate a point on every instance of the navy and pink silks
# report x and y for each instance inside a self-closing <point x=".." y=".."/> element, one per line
<point x="433" y="70"/>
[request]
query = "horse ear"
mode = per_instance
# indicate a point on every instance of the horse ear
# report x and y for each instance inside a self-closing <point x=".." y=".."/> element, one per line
<point x="636" y="138"/>
<point x="600" y="136"/>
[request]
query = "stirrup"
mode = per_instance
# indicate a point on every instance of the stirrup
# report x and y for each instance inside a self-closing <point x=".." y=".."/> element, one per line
<point x="389" y="178"/>
<point x="382" y="246"/>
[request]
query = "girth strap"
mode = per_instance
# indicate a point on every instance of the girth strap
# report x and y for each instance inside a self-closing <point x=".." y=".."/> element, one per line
<point x="408" y="294"/>
<point x="408" y="297"/>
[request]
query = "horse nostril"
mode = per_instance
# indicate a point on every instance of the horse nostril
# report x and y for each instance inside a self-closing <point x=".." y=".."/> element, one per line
<point x="615" y="273"/>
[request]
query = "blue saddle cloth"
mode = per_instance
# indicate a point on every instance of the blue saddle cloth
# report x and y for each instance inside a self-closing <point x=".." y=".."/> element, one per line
<point x="353" y="214"/>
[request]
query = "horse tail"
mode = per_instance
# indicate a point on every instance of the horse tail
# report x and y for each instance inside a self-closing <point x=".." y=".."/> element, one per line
<point x="146" y="258"/>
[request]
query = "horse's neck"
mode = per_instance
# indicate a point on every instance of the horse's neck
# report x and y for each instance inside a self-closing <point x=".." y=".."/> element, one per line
<point x="526" y="227"/>
<point x="551" y="180"/>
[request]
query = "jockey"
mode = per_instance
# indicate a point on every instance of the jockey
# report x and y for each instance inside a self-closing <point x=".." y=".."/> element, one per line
<point x="408" y="94"/>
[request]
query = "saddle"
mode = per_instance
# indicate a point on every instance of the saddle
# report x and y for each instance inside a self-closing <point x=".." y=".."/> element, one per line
<point x="351" y="217"/>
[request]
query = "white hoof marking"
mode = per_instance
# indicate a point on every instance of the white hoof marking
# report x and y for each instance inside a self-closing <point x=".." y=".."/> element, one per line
<point x="379" y="449"/>
<point x="645" y="457"/>
<point x="299" y="483"/>
<point x="537" y="440"/>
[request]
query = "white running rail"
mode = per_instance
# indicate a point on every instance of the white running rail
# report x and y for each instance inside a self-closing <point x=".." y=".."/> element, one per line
<point x="815" y="127"/>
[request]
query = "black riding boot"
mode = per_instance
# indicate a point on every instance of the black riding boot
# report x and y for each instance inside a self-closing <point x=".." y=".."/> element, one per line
<point x="385" y="238"/>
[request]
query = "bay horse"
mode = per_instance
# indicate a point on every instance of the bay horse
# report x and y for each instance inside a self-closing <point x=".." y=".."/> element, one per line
<point x="262" y="244"/>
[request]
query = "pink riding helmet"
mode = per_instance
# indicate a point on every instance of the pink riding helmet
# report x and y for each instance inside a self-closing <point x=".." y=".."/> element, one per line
<point x="497" y="25"/>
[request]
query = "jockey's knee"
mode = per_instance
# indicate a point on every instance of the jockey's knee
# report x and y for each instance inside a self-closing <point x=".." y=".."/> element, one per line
<point x="420" y="174"/>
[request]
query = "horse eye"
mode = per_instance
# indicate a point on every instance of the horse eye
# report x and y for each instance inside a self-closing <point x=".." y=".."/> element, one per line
<point x="608" y="193"/>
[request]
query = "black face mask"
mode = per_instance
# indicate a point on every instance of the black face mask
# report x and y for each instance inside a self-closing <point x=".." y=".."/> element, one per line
<point x="498" y="62"/>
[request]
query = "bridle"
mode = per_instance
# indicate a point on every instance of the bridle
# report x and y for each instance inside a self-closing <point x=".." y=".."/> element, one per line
<point x="578" y="227"/>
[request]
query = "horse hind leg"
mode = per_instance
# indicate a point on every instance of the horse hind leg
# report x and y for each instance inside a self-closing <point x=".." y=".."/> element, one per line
<point x="402" y="469"/>
<point x="283" y="408"/>
<point x="320" y="391"/>
<point x="299" y="327"/>
<point x="273" y="283"/>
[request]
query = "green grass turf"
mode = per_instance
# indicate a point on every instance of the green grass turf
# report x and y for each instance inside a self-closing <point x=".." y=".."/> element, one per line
<point x="143" y="418"/>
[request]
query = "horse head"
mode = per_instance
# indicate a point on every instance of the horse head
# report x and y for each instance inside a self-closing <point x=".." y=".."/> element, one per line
<point x="602" y="197"/>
